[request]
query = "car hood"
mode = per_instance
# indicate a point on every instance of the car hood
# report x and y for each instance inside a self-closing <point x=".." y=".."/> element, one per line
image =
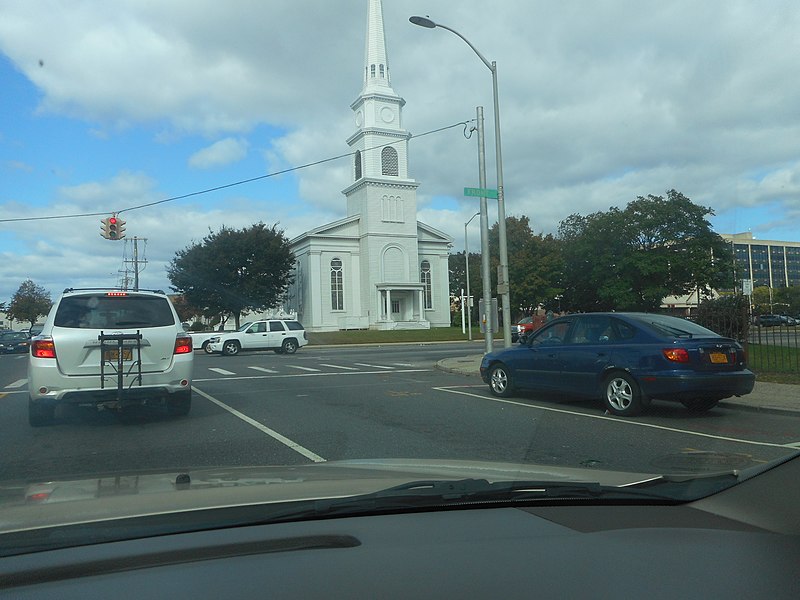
<point x="135" y="494"/>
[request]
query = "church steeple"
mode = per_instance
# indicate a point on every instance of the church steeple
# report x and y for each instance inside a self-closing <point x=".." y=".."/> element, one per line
<point x="376" y="61"/>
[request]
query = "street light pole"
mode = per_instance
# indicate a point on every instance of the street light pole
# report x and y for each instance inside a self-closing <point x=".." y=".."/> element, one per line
<point x="466" y="266"/>
<point x="502" y="285"/>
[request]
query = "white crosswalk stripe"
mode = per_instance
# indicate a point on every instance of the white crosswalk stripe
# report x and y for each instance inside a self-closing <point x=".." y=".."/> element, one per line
<point x="373" y="366"/>
<point x="304" y="368"/>
<point x="221" y="371"/>
<point x="18" y="383"/>
<point x="338" y="367"/>
<point x="263" y="370"/>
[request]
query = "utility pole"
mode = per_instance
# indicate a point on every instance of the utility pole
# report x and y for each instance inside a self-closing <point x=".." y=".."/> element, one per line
<point x="138" y="264"/>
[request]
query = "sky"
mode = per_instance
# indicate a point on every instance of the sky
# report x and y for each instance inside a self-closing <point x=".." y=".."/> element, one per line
<point x="108" y="106"/>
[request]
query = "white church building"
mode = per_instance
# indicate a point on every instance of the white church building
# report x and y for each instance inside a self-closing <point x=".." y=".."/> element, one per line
<point x="378" y="267"/>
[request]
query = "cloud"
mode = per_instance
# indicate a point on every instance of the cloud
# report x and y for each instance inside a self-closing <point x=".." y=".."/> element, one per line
<point x="218" y="154"/>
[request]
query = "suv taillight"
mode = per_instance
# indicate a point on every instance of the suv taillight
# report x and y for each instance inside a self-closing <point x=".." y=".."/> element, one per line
<point x="43" y="349"/>
<point x="183" y="344"/>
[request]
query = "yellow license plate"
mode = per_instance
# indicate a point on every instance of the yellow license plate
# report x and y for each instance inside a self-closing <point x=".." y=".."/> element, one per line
<point x="719" y="358"/>
<point x="127" y="354"/>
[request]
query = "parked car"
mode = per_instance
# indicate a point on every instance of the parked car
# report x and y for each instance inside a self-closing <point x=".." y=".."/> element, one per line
<point x="110" y="348"/>
<point x="12" y="342"/>
<point x="770" y="321"/>
<point x="284" y="336"/>
<point x="521" y="329"/>
<point x="627" y="359"/>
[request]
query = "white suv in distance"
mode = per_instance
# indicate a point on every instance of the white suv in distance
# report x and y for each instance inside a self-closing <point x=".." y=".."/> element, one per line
<point x="110" y="348"/>
<point x="284" y="336"/>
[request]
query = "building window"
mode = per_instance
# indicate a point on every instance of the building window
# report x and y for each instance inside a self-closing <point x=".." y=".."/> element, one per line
<point x="389" y="161"/>
<point x="372" y="70"/>
<point x="393" y="209"/>
<point x="337" y="285"/>
<point x="382" y="71"/>
<point x="357" y="161"/>
<point x="425" y="280"/>
<point x="395" y="307"/>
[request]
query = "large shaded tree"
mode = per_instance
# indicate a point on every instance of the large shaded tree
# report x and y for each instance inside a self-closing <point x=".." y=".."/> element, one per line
<point x="234" y="270"/>
<point x="29" y="302"/>
<point x="632" y="259"/>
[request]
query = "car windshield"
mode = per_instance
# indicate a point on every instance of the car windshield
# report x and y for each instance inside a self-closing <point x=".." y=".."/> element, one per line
<point x="527" y="240"/>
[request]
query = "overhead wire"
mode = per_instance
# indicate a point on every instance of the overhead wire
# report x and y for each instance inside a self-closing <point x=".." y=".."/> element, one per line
<point x="235" y="183"/>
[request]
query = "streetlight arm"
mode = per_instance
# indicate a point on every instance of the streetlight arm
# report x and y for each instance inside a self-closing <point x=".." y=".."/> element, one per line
<point x="429" y="24"/>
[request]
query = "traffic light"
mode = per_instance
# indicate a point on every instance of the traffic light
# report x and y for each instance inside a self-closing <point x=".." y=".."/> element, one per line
<point x="112" y="228"/>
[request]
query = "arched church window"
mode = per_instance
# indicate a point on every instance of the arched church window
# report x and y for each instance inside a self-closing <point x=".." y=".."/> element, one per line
<point x="388" y="161"/>
<point x="381" y="71"/>
<point x="357" y="161"/>
<point x="427" y="287"/>
<point x="372" y="70"/>
<point x="337" y="285"/>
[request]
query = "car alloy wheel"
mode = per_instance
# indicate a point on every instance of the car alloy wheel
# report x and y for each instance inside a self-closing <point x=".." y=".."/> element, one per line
<point x="500" y="381"/>
<point x="289" y="347"/>
<point x="230" y="348"/>
<point x="207" y="348"/>
<point x="622" y="396"/>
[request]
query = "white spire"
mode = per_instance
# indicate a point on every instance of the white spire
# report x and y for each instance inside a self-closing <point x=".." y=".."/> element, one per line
<point x="376" y="70"/>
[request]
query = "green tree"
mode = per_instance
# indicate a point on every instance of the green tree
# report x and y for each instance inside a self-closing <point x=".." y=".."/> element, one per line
<point x="534" y="265"/>
<point x="234" y="270"/>
<point x="631" y="259"/>
<point x="29" y="302"/>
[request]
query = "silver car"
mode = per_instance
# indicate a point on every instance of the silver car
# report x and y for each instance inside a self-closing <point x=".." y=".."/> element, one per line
<point x="110" y="348"/>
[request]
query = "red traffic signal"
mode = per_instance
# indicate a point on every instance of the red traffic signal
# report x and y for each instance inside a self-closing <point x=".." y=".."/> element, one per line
<point x="112" y="228"/>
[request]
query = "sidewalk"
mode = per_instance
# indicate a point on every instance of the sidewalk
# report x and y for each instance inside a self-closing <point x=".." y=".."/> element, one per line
<point x="778" y="398"/>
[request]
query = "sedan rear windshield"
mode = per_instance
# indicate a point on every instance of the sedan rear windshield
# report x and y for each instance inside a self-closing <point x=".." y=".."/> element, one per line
<point x="104" y="312"/>
<point x="676" y="327"/>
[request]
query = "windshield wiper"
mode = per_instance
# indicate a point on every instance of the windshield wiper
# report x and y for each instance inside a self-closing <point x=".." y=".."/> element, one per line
<point x="436" y="493"/>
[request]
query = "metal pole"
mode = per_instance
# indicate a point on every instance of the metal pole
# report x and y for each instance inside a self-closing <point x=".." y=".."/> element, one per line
<point x="488" y="335"/>
<point x="504" y="287"/>
<point x="135" y="264"/>
<point x="466" y="263"/>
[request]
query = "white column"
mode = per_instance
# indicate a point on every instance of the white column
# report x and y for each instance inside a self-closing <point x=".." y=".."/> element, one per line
<point x="389" y="305"/>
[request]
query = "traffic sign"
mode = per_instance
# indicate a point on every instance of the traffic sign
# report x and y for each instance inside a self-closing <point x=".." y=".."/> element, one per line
<point x="481" y="192"/>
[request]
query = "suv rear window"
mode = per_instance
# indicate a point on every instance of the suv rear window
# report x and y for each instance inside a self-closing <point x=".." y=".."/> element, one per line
<point x="98" y="311"/>
<point x="293" y="325"/>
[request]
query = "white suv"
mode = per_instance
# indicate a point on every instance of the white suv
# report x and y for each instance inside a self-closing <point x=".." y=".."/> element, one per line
<point x="281" y="335"/>
<point x="110" y="348"/>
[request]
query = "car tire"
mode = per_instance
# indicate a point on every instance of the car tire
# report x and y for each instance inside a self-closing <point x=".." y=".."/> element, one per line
<point x="207" y="348"/>
<point x="699" y="406"/>
<point x="40" y="414"/>
<point x="179" y="404"/>
<point x="231" y="348"/>
<point x="500" y="383"/>
<point x="289" y="346"/>
<point x="621" y="395"/>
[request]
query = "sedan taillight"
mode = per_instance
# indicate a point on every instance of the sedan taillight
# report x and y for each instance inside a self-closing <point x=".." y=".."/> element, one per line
<point x="183" y="344"/>
<point x="43" y="349"/>
<point x="679" y="355"/>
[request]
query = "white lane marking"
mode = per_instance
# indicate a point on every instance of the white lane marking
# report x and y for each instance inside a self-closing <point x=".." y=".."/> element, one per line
<point x="221" y="371"/>
<point x="17" y="384"/>
<point x="262" y="369"/>
<point x="403" y="364"/>
<point x="617" y="420"/>
<point x="303" y="368"/>
<point x="338" y="367"/>
<point x="794" y="445"/>
<point x="373" y="366"/>
<point x="263" y="428"/>
<point x="322" y="374"/>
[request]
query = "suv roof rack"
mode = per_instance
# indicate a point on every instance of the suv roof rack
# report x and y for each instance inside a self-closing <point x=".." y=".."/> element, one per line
<point x="117" y="289"/>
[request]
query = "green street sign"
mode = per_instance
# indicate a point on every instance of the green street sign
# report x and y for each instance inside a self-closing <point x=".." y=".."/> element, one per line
<point x="481" y="192"/>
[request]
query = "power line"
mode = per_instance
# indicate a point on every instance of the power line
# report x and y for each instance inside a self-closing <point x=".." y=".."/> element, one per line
<point x="235" y="183"/>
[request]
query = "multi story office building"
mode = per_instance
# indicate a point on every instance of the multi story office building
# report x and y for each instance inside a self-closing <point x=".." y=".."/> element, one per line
<point x="765" y="262"/>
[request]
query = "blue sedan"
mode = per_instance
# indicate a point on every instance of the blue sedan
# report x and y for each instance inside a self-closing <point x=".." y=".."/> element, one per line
<point x="627" y="359"/>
